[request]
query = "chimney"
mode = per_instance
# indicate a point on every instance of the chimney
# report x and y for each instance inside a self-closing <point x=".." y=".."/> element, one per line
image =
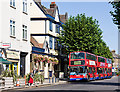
<point x="52" y="5"/>
<point x="66" y="16"/>
<point x="113" y="51"/>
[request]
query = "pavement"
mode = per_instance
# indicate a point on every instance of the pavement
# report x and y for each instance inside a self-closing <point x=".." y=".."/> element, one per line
<point x="45" y="83"/>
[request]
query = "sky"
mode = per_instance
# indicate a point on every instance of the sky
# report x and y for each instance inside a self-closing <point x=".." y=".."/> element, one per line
<point x="98" y="10"/>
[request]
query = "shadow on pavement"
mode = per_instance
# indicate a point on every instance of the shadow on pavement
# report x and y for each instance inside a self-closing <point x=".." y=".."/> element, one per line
<point x="67" y="91"/>
<point x="95" y="83"/>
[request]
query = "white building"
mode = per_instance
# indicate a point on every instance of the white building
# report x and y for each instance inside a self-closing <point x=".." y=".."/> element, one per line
<point x="45" y="29"/>
<point x="14" y="30"/>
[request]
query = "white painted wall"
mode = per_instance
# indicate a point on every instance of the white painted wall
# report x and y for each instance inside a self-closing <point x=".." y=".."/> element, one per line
<point x="35" y="11"/>
<point x="17" y="43"/>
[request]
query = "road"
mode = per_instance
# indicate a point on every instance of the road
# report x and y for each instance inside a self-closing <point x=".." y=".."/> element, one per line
<point x="106" y="85"/>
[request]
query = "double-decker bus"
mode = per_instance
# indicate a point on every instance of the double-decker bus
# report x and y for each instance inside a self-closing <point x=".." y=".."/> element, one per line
<point x="82" y="66"/>
<point x="101" y="67"/>
<point x="108" y="68"/>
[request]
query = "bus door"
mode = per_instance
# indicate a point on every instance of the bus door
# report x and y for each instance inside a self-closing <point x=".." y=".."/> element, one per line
<point x="94" y="73"/>
<point x="90" y="74"/>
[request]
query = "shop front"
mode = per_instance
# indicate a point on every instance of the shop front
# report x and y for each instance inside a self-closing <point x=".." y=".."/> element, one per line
<point x="14" y="57"/>
<point x="43" y="63"/>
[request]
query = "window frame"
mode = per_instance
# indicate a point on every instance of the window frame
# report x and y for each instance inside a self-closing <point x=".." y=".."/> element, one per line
<point x="12" y="3"/>
<point x="51" y="42"/>
<point x="25" y="6"/>
<point x="24" y="32"/>
<point x="50" y="26"/>
<point x="12" y="28"/>
<point x="57" y="29"/>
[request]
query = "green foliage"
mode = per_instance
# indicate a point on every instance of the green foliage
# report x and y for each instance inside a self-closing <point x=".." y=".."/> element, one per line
<point x="83" y="34"/>
<point x="38" y="77"/>
<point x="9" y="73"/>
<point x="116" y="12"/>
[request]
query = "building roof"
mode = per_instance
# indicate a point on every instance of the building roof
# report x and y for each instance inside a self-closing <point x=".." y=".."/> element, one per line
<point x="52" y="11"/>
<point x="63" y="18"/>
<point x="35" y="43"/>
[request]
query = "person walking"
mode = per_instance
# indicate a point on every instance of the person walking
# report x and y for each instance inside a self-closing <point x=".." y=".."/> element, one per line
<point x="30" y="79"/>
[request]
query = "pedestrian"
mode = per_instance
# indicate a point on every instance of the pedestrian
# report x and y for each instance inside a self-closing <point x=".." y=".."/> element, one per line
<point x="30" y="79"/>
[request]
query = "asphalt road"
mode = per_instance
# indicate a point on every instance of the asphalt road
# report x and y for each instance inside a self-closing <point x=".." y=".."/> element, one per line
<point x="106" y="85"/>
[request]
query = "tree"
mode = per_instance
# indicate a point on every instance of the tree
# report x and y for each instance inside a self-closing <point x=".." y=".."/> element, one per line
<point x="83" y="34"/>
<point x="116" y="12"/>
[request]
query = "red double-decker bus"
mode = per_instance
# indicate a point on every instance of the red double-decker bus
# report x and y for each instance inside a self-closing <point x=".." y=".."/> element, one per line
<point x="82" y="66"/>
<point x="101" y="67"/>
<point x="87" y="66"/>
<point x="108" y="68"/>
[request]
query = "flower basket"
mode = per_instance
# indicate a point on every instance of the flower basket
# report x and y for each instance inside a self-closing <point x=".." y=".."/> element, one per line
<point x="45" y="59"/>
<point x="51" y="60"/>
<point x="38" y="57"/>
<point x="56" y="61"/>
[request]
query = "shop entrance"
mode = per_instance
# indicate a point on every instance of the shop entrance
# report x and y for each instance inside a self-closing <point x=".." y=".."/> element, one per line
<point x="22" y="63"/>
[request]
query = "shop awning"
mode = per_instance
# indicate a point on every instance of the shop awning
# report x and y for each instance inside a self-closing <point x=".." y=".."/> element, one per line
<point x="5" y="61"/>
<point x="12" y="60"/>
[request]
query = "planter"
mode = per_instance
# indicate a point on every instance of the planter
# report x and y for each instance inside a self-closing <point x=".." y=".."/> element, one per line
<point x="8" y="82"/>
<point x="2" y="83"/>
<point x="22" y="82"/>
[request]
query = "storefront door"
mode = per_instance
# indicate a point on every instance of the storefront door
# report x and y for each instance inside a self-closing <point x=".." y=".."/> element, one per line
<point x="22" y="63"/>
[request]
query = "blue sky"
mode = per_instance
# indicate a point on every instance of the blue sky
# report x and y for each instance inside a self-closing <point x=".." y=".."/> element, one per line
<point x="99" y="11"/>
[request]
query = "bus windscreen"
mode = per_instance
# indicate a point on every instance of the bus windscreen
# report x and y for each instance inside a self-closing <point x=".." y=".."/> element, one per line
<point x="78" y="55"/>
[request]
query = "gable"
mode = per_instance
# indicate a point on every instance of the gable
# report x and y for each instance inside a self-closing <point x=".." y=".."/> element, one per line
<point x="35" y="10"/>
<point x="57" y="15"/>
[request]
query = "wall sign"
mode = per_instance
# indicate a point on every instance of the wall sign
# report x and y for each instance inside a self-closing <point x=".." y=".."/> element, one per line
<point x="13" y="54"/>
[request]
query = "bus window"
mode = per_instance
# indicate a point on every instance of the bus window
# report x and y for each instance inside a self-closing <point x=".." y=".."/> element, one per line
<point x="93" y="69"/>
<point x="99" y="70"/>
<point x="103" y="70"/>
<point x="81" y="69"/>
<point x="90" y="69"/>
<point x="100" y="59"/>
<point x="91" y="57"/>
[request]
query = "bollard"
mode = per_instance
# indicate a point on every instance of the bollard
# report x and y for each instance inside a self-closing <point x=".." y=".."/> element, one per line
<point x="52" y="80"/>
<point x="49" y="79"/>
<point x="55" y="79"/>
